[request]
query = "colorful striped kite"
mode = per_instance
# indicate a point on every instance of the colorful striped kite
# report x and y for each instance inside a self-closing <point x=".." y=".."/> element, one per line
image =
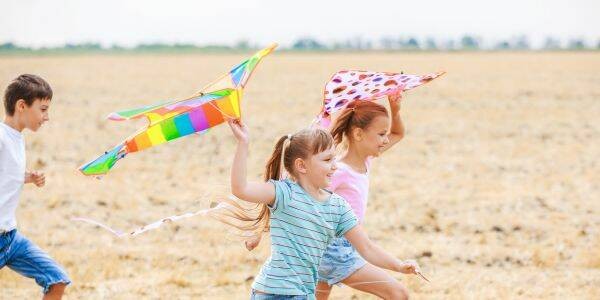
<point x="348" y="86"/>
<point x="207" y="108"/>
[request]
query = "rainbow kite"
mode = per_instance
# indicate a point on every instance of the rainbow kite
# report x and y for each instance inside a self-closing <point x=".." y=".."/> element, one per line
<point x="170" y="120"/>
<point x="345" y="87"/>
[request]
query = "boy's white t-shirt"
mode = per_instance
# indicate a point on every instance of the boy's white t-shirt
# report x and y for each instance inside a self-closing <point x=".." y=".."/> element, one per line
<point x="12" y="174"/>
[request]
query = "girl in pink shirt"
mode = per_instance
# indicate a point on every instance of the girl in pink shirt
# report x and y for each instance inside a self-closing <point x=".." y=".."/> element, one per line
<point x="362" y="130"/>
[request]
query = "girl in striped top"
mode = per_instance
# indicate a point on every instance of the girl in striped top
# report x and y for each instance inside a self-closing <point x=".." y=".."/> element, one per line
<point x="301" y="215"/>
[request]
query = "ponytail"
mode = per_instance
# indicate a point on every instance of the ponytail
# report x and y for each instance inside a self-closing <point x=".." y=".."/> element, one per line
<point x="273" y="169"/>
<point x="288" y="148"/>
<point x="342" y="124"/>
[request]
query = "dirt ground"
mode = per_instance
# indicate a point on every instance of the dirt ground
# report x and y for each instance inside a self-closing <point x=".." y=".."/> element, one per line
<point x="495" y="189"/>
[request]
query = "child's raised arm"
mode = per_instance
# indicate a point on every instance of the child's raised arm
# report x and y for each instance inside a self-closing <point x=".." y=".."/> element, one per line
<point x="397" y="128"/>
<point x="377" y="256"/>
<point x="254" y="191"/>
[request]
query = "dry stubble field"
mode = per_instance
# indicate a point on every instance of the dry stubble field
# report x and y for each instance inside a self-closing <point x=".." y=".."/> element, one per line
<point x="495" y="190"/>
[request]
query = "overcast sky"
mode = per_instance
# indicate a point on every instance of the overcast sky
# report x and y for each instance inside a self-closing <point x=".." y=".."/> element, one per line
<point x="52" y="23"/>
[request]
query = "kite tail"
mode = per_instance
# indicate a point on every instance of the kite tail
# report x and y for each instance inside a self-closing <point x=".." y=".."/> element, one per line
<point x="223" y="208"/>
<point x="153" y="225"/>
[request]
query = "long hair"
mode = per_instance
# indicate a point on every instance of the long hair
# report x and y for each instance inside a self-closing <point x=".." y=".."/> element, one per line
<point x="358" y="114"/>
<point x="288" y="148"/>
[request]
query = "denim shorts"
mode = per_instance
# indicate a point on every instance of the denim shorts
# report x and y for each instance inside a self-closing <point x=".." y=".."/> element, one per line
<point x="260" y="296"/>
<point x="339" y="261"/>
<point x="27" y="259"/>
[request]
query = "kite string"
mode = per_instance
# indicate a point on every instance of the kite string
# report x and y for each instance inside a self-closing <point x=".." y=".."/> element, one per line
<point x="358" y="283"/>
<point x="153" y="225"/>
<point x="113" y="231"/>
<point x="221" y="205"/>
<point x="417" y="273"/>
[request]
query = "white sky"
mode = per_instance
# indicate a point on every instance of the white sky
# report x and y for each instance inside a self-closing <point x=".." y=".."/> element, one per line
<point x="50" y="23"/>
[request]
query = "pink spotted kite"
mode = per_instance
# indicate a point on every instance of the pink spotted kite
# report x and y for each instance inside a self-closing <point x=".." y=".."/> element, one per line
<point x="345" y="87"/>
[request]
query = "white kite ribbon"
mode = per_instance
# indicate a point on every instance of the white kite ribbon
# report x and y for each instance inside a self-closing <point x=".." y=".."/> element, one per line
<point x="153" y="225"/>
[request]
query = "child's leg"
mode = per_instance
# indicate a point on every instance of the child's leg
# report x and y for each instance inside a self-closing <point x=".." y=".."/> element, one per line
<point x="323" y="290"/>
<point x="376" y="281"/>
<point x="29" y="260"/>
<point x="55" y="292"/>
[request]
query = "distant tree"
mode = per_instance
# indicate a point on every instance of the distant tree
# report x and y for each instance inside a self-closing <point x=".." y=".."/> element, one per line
<point x="151" y="47"/>
<point x="430" y="44"/>
<point x="214" y="47"/>
<point x="183" y="46"/>
<point x="307" y="44"/>
<point x="8" y="46"/>
<point x="387" y="43"/>
<point x="521" y="43"/>
<point x="502" y="45"/>
<point x="93" y="46"/>
<point x="576" y="44"/>
<point x="82" y="46"/>
<point x="469" y="43"/>
<point x="358" y="43"/>
<point x="551" y="43"/>
<point x="116" y="47"/>
<point x="345" y="44"/>
<point x="449" y="45"/>
<point x="242" y="45"/>
<point x="412" y="43"/>
<point x="337" y="45"/>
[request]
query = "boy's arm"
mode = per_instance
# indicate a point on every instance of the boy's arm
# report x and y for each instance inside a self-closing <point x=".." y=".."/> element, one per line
<point x="253" y="191"/>
<point x="397" y="128"/>
<point x="377" y="256"/>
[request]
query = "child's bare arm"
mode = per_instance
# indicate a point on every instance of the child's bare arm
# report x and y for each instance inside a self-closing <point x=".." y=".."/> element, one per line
<point x="397" y="128"/>
<point x="377" y="256"/>
<point x="253" y="191"/>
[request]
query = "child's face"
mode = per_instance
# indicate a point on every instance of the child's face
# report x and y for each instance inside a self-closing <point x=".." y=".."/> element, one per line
<point x="36" y="114"/>
<point x="320" y="168"/>
<point x="373" y="138"/>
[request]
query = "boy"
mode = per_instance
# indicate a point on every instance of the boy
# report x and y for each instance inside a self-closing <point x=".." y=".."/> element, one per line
<point x="26" y="104"/>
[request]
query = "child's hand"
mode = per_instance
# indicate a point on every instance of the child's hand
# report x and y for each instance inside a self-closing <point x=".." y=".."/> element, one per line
<point x="239" y="129"/>
<point x="37" y="178"/>
<point x="252" y="242"/>
<point x="410" y="267"/>
<point x="395" y="100"/>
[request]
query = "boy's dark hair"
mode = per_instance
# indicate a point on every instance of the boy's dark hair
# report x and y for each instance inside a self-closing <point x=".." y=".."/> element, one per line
<point x="27" y="87"/>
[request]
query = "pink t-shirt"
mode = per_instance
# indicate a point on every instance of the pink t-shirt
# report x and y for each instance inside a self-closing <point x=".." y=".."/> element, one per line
<point x="353" y="186"/>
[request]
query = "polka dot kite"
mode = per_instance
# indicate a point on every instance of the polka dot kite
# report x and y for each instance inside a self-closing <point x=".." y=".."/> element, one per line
<point x="347" y="86"/>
